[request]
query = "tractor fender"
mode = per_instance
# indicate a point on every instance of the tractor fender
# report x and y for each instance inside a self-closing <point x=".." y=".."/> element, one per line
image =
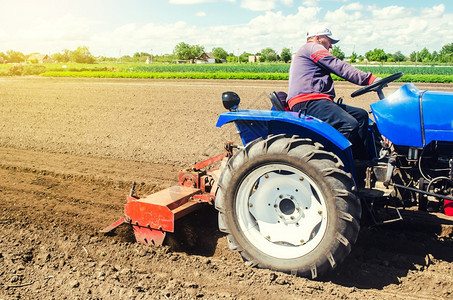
<point x="254" y="124"/>
<point x="262" y="123"/>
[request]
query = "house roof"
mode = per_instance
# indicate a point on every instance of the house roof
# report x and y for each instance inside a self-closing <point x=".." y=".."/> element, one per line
<point x="38" y="56"/>
<point x="207" y="56"/>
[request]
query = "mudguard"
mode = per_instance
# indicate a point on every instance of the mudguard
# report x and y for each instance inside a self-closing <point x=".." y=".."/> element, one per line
<point x="253" y="124"/>
<point x="410" y="117"/>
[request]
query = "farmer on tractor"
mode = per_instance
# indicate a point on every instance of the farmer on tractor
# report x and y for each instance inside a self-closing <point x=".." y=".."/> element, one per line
<point x="311" y="89"/>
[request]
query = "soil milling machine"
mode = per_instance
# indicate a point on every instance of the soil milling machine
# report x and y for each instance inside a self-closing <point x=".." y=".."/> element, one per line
<point x="292" y="198"/>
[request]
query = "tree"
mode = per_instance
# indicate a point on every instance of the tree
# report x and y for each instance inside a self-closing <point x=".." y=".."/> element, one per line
<point x="390" y="57"/>
<point x="286" y="55"/>
<point x="167" y="58"/>
<point x="197" y="51"/>
<point x="413" y="56"/>
<point x="398" y="56"/>
<point x="354" y="57"/>
<point x="62" y="57"/>
<point x="244" y="57"/>
<point x="435" y="56"/>
<point x="126" y="58"/>
<point x="15" y="56"/>
<point x="268" y="55"/>
<point x="219" y="53"/>
<point x="81" y="55"/>
<point x="336" y="51"/>
<point x="182" y="51"/>
<point x="3" y="58"/>
<point x="376" y="55"/>
<point x="141" y="56"/>
<point x="446" y="54"/>
<point x="425" y="55"/>
<point x="186" y="51"/>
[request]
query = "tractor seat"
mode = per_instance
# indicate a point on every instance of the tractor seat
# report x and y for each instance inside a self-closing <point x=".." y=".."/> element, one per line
<point x="278" y="100"/>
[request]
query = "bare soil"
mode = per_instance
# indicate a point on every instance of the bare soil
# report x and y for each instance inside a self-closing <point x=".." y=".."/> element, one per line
<point x="69" y="151"/>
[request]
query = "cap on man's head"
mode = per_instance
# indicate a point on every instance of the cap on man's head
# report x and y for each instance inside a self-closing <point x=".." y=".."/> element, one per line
<point x="322" y="31"/>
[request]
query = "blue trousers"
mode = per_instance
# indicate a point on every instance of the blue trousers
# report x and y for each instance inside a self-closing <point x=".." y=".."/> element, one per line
<point x="350" y="121"/>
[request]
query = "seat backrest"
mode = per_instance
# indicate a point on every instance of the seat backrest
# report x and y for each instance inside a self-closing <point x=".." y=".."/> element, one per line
<point x="278" y="100"/>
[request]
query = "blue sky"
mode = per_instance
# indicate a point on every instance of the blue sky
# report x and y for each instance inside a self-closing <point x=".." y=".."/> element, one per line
<point x="113" y="28"/>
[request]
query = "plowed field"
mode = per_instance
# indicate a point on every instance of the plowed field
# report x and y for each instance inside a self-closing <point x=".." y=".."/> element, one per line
<point x="69" y="151"/>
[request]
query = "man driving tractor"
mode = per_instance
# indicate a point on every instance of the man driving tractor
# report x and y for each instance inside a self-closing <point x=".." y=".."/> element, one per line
<point x="311" y="89"/>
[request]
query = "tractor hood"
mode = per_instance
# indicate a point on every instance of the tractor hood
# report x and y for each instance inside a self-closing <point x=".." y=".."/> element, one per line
<point x="410" y="117"/>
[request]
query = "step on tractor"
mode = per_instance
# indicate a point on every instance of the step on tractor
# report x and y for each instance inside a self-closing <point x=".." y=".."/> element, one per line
<point x="292" y="198"/>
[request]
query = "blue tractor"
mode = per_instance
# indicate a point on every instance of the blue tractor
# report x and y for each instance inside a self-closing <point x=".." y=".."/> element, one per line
<point x="292" y="198"/>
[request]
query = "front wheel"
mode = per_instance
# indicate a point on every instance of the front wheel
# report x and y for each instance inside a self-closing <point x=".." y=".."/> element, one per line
<point x="287" y="205"/>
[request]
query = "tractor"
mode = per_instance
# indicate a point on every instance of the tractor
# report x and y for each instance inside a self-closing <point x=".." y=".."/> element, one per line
<point x="292" y="198"/>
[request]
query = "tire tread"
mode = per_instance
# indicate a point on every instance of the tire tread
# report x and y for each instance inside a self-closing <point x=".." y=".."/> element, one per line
<point x="331" y="168"/>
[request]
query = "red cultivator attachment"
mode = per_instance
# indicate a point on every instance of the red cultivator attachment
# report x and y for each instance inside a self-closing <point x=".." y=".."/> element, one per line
<point x="154" y="215"/>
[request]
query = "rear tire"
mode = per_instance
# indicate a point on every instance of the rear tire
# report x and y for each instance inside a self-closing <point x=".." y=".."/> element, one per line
<point x="287" y="205"/>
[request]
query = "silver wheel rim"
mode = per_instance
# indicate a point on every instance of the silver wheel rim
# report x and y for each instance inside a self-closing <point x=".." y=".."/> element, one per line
<point x="281" y="211"/>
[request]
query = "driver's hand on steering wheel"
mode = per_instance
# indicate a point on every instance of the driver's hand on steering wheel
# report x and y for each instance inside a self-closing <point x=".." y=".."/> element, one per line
<point x="376" y="79"/>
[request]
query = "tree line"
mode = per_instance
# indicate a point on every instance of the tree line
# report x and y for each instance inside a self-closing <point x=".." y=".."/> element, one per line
<point x="184" y="51"/>
<point x="445" y="55"/>
<point x="80" y="55"/>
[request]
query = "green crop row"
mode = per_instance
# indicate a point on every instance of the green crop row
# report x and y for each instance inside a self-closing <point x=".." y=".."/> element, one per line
<point x="211" y="71"/>
<point x="210" y="68"/>
<point x="412" y="78"/>
<point x="227" y="75"/>
<point x="279" y="68"/>
<point x="413" y="70"/>
<point x="168" y="75"/>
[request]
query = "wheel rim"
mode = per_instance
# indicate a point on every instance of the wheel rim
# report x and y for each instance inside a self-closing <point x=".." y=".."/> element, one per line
<point x="281" y="211"/>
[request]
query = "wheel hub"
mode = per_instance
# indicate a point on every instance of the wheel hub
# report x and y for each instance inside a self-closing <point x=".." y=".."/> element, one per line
<point x="286" y="208"/>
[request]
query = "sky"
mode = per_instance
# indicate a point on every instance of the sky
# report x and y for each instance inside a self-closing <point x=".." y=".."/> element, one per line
<point x="114" y="28"/>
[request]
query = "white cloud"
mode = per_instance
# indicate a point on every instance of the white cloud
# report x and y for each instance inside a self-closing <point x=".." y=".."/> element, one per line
<point x="201" y="14"/>
<point x="161" y="38"/>
<point x="344" y="13"/>
<point x="354" y="6"/>
<point x="50" y="36"/>
<point x="4" y="36"/>
<point x="434" y="12"/>
<point x="389" y="13"/>
<point x="392" y="28"/>
<point x="263" y="5"/>
<point x="359" y="27"/>
<point x="310" y="3"/>
<point x="197" y="1"/>
<point x="272" y="29"/>
<point x="367" y="27"/>
<point x="287" y="2"/>
<point x="258" y="5"/>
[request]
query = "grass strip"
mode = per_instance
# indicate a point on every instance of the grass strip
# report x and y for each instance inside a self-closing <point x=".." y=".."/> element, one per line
<point x="227" y="75"/>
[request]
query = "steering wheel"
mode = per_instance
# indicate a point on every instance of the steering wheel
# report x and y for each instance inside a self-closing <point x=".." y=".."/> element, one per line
<point x="377" y="86"/>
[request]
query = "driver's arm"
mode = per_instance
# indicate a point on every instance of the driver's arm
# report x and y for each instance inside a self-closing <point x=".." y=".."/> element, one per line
<point x="338" y="67"/>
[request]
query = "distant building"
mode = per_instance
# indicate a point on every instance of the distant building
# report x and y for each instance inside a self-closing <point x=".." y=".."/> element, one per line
<point x="39" y="58"/>
<point x="206" y="58"/>
<point x="254" y="58"/>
